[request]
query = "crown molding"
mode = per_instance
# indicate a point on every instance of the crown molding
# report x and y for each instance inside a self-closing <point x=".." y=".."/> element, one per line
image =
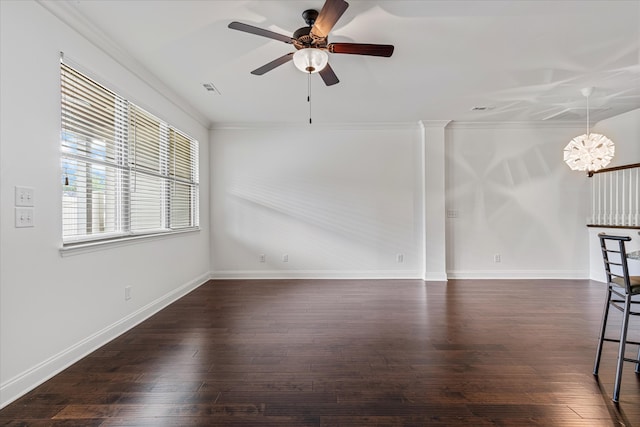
<point x="72" y="17"/>
<point x="420" y="125"/>
<point x="434" y="124"/>
<point x="537" y="124"/>
<point x="378" y="126"/>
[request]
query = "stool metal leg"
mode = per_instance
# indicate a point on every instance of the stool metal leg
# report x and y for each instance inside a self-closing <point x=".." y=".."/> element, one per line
<point x="621" y="348"/>
<point x="603" y="328"/>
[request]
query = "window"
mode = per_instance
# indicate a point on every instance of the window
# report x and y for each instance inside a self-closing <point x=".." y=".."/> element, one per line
<point x="125" y="172"/>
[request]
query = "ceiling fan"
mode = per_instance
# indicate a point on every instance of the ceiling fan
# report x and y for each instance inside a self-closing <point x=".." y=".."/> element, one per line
<point x="311" y="42"/>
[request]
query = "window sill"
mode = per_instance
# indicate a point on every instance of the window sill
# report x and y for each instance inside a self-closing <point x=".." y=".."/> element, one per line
<point x="93" y="246"/>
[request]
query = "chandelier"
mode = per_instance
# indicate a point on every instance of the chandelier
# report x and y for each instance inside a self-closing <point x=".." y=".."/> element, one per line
<point x="591" y="151"/>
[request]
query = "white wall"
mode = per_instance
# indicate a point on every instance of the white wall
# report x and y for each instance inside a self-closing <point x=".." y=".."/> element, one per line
<point x="342" y="202"/>
<point x="514" y="196"/>
<point x="339" y="201"/>
<point x="624" y="131"/>
<point x="55" y="309"/>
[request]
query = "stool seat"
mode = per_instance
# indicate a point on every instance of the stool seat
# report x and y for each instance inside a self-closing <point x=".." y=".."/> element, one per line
<point x="635" y="283"/>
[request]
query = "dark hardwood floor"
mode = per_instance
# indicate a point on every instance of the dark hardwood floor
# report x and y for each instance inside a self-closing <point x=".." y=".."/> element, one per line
<point x="351" y="353"/>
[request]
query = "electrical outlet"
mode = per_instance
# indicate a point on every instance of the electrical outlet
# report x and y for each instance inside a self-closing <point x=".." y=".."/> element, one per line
<point x="285" y="258"/>
<point x="452" y="213"/>
<point x="400" y="258"/>
<point x="263" y="258"/>
<point x="24" y="217"/>
<point x="497" y="258"/>
<point x="127" y="293"/>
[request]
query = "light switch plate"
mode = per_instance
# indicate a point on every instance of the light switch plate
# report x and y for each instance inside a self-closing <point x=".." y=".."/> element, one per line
<point x="24" y="196"/>
<point x="24" y="217"/>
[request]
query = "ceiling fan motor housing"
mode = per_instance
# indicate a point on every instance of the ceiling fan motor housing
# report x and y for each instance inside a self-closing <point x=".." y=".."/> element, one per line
<point x="303" y="38"/>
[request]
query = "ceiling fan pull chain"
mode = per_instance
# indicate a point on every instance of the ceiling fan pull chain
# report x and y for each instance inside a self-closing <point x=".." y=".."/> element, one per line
<point x="309" y="94"/>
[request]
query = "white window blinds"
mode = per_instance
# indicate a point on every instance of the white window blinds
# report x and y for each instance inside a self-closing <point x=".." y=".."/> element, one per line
<point x="125" y="172"/>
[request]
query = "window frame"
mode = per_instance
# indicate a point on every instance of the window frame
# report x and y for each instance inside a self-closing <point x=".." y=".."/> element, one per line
<point x="119" y="169"/>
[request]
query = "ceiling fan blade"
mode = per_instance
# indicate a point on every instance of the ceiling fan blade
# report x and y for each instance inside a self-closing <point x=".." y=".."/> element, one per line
<point x="329" y="15"/>
<point x="328" y="76"/>
<point x="273" y="64"/>
<point x="259" y="31"/>
<point x="362" y="49"/>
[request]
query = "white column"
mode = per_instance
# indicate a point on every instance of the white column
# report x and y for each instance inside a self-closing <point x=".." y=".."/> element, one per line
<point x="433" y="142"/>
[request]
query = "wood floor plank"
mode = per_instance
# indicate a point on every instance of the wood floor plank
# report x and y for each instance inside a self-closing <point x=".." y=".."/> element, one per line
<point x="351" y="353"/>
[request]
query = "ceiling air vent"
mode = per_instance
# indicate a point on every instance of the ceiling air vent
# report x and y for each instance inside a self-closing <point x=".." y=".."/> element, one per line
<point x="579" y="114"/>
<point x="482" y="108"/>
<point x="210" y="87"/>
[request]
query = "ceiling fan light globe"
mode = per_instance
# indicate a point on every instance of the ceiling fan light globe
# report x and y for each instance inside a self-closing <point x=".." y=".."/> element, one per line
<point x="310" y="60"/>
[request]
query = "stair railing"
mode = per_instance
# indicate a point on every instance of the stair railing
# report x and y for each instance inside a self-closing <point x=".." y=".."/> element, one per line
<point x="615" y="197"/>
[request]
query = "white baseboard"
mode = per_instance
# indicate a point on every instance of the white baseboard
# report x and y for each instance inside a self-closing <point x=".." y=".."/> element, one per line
<point x="518" y="274"/>
<point x="435" y="277"/>
<point x="400" y="274"/>
<point x="316" y="274"/>
<point x="31" y="378"/>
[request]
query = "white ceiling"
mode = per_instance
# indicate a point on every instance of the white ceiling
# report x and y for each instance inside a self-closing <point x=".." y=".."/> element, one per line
<point x="524" y="60"/>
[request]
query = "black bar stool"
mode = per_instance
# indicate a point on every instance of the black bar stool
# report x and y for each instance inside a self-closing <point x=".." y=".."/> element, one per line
<point x="621" y="287"/>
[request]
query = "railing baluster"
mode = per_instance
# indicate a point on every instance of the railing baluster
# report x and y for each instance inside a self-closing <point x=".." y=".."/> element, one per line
<point x="611" y="200"/>
<point x="594" y="195"/>
<point x="631" y="199"/>
<point x="637" y="221"/>
<point x="625" y="213"/>
<point x="599" y="218"/>
<point x="618" y="201"/>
